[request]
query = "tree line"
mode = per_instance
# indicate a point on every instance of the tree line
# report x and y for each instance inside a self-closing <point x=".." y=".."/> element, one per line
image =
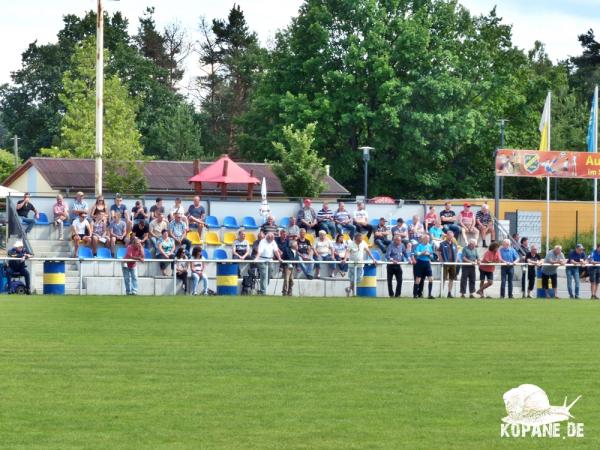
<point x="424" y="82"/>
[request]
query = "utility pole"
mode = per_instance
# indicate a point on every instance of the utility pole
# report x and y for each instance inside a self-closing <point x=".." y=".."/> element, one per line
<point x="16" y="149"/>
<point x="99" y="96"/>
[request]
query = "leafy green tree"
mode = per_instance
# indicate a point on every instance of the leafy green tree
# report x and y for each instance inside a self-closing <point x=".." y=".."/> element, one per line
<point x="7" y="164"/>
<point x="179" y="131"/>
<point x="299" y="167"/>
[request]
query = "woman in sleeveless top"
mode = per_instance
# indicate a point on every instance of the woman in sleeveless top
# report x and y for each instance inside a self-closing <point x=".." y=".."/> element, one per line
<point x="197" y="268"/>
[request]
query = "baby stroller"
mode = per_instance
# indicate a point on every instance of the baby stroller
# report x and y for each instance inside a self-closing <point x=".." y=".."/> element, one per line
<point x="250" y="281"/>
<point x="16" y="285"/>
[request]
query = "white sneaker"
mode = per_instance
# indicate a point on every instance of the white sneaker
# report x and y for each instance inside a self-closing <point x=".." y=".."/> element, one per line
<point x="348" y="290"/>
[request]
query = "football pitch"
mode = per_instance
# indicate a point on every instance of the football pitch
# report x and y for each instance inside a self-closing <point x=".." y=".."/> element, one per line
<point x="288" y="373"/>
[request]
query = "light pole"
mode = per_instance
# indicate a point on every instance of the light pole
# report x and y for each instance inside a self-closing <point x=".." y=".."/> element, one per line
<point x="99" y="96"/>
<point x="366" y="158"/>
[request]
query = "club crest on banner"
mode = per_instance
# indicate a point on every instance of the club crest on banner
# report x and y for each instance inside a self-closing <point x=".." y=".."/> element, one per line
<point x="531" y="162"/>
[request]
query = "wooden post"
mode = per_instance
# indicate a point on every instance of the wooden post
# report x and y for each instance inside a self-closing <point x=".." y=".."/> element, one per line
<point x="250" y="187"/>
<point x="197" y="184"/>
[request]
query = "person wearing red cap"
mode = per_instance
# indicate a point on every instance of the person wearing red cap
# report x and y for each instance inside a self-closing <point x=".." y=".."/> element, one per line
<point x="466" y="219"/>
<point x="307" y="217"/>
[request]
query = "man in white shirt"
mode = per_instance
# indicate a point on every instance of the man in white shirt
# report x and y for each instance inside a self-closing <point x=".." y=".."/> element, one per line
<point x="267" y="250"/>
<point x="361" y="220"/>
<point x="356" y="255"/>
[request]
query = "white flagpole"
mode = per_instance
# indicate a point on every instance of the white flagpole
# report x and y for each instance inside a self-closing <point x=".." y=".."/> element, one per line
<point x="595" y="131"/>
<point x="548" y="178"/>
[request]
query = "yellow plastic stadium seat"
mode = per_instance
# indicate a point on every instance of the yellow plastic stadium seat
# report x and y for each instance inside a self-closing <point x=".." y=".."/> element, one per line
<point x="194" y="237"/>
<point x="310" y="238"/>
<point x="346" y="237"/>
<point x="330" y="237"/>
<point x="366" y="239"/>
<point x="250" y="237"/>
<point x="229" y="237"/>
<point x="212" y="238"/>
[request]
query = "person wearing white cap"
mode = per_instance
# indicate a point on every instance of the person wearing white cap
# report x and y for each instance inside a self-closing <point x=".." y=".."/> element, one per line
<point x="18" y="267"/>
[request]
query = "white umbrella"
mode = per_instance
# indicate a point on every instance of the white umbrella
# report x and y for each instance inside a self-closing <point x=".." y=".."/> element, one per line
<point x="264" y="210"/>
<point x="9" y="192"/>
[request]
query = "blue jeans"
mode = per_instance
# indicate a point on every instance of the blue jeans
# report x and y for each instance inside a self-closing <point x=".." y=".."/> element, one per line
<point x="322" y="258"/>
<point x="573" y="274"/>
<point x="307" y="269"/>
<point x="196" y="280"/>
<point x="343" y="267"/>
<point x="266" y="270"/>
<point x="506" y="274"/>
<point x="350" y="228"/>
<point x="131" y="280"/>
<point x="29" y="222"/>
<point x="328" y="226"/>
<point x="454" y="228"/>
<point x="382" y="243"/>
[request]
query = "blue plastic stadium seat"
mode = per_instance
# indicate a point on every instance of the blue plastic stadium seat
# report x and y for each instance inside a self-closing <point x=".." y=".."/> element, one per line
<point x="43" y="219"/>
<point x="394" y="222"/>
<point x="204" y="254"/>
<point x="148" y="254"/>
<point x="219" y="253"/>
<point x="230" y="223"/>
<point x="249" y="223"/>
<point x="121" y="252"/>
<point x="212" y="222"/>
<point x="284" y="222"/>
<point x="103" y="253"/>
<point x="408" y="222"/>
<point x="85" y="253"/>
<point x="374" y="223"/>
<point x="377" y="255"/>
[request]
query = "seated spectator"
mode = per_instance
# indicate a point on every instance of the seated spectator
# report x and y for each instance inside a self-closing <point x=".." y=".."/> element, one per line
<point x="197" y="268"/>
<point x="141" y="230"/>
<point x="156" y="228"/>
<point x="343" y="220"/>
<point x="325" y="219"/>
<point x="339" y="252"/>
<point x="466" y="220"/>
<point x="178" y="208"/>
<point x="139" y="213"/>
<point x="178" y="231"/>
<point x="485" y="224"/>
<point x="430" y="218"/>
<point x="117" y="229"/>
<point x="323" y="249"/>
<point x="81" y="232"/>
<point x="240" y="248"/>
<point x="24" y="207"/>
<point x="61" y="215"/>
<point x="99" y="232"/>
<point x="382" y="235"/>
<point x="196" y="215"/>
<point x="402" y="229"/>
<point x="265" y="253"/>
<point x="416" y="229"/>
<point x="293" y="230"/>
<point x="448" y="218"/>
<point x="79" y="206"/>
<point x="181" y="267"/>
<point x="98" y="207"/>
<point x="269" y="226"/>
<point x="157" y="208"/>
<point x="307" y="217"/>
<point x="119" y="209"/>
<point x="306" y="252"/>
<point x="166" y="250"/>
<point x="553" y="259"/>
<point x="437" y="233"/>
<point x="136" y="252"/>
<point x="18" y="267"/>
<point x="361" y="220"/>
<point x="486" y="268"/>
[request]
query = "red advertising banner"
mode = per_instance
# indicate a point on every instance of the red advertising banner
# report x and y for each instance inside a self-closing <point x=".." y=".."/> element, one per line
<point x="535" y="163"/>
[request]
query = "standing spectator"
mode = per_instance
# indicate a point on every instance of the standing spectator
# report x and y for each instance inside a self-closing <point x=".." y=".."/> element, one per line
<point x="18" y="267"/>
<point x="98" y="207"/>
<point x="523" y="251"/>
<point x="293" y="230"/>
<point x="196" y="215"/>
<point x="269" y="226"/>
<point x="533" y="259"/>
<point x="307" y="217"/>
<point x="157" y="226"/>
<point x="448" y="252"/>
<point x="139" y="213"/>
<point x="61" y="215"/>
<point x="136" y="253"/>
<point x="509" y="257"/>
<point x="119" y="209"/>
<point x="339" y="252"/>
<point x="282" y="240"/>
<point x="178" y="231"/>
<point x="290" y="253"/>
<point x="118" y="233"/>
<point x="260" y="236"/>
<point x="594" y="271"/>
<point x="166" y="250"/>
<point x="306" y="252"/>
<point x="448" y="218"/>
<point x="343" y="220"/>
<point x="267" y="250"/>
<point x="182" y="266"/>
<point x="141" y="231"/>
<point x="197" y="268"/>
<point x="323" y="251"/>
<point x="177" y="208"/>
<point x="24" y="207"/>
<point x="423" y="255"/>
<point x="356" y="255"/>
<point x="485" y="224"/>
<point x="436" y="233"/>
<point x="576" y="258"/>
<point x="81" y="232"/>
<point x="553" y="259"/>
<point x="157" y="208"/>
<point x="99" y="232"/>
<point x="396" y="253"/>
<point x="325" y="219"/>
<point x="79" y="206"/>
<point x="361" y="220"/>
<point x="382" y="239"/>
<point x="486" y="268"/>
<point x="431" y="218"/>
<point x="466" y="220"/>
<point x="469" y="256"/>
<point x="402" y="229"/>
<point x="416" y="229"/>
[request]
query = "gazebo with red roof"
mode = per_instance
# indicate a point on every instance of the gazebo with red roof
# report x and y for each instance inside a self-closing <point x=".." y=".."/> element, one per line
<point x="224" y="171"/>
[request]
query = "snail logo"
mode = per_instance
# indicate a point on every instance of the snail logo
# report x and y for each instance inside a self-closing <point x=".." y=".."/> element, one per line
<point x="530" y="413"/>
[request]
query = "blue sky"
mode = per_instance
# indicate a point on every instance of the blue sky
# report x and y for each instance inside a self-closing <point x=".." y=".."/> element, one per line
<point x="555" y="22"/>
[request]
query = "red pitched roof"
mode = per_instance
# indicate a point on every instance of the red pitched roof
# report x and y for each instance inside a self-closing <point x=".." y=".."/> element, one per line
<point x="224" y="170"/>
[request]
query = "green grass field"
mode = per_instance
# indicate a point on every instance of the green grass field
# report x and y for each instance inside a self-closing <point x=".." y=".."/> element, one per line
<point x="273" y="373"/>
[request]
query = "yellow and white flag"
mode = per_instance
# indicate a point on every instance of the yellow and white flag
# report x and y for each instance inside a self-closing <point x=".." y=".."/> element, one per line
<point x="545" y="124"/>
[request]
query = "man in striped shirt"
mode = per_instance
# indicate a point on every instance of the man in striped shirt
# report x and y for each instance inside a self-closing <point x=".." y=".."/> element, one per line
<point x="343" y="220"/>
<point x="325" y="220"/>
